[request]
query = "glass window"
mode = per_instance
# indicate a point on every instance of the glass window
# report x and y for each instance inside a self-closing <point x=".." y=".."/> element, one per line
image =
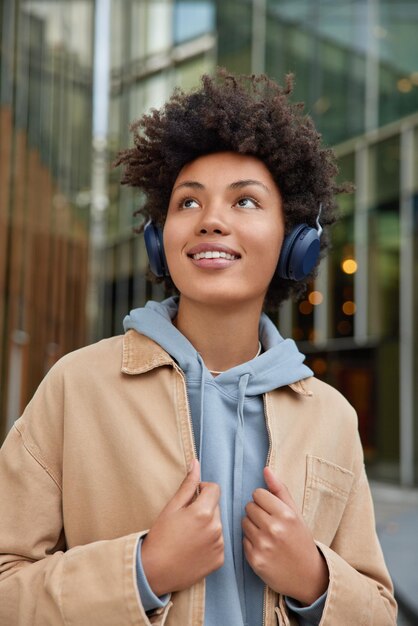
<point x="45" y="147"/>
<point x="398" y="47"/>
<point x="159" y="25"/>
<point x="303" y="318"/>
<point x="234" y="23"/>
<point x="383" y="281"/>
<point x="342" y="265"/>
<point x="192" y="19"/>
<point x="187" y="75"/>
<point x="342" y="269"/>
<point x="384" y="239"/>
<point x="140" y="29"/>
<point x="355" y="63"/>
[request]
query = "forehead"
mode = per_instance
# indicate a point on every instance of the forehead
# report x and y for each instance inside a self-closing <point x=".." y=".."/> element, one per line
<point x="222" y="168"/>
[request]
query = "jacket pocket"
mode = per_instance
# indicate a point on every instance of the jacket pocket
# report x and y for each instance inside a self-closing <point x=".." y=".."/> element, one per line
<point x="326" y="492"/>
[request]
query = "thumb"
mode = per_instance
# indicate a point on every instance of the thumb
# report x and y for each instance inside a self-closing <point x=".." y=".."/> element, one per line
<point x="277" y="488"/>
<point x="188" y="488"/>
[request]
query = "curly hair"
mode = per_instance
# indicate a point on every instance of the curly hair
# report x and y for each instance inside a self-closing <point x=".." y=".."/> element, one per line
<point x="245" y="114"/>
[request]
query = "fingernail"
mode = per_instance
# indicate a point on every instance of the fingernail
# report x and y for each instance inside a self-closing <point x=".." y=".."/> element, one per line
<point x="190" y="466"/>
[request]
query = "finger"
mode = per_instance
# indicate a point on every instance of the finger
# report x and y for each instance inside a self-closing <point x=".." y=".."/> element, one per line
<point x="187" y="490"/>
<point x="279" y="489"/>
<point x="208" y="497"/>
<point x="217" y="515"/>
<point x="250" y="530"/>
<point x="267" y="501"/>
<point x="205" y="484"/>
<point x="248" y="548"/>
<point x="257" y="515"/>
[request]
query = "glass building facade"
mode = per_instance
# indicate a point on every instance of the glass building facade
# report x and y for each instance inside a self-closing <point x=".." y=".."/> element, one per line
<point x="74" y="74"/>
<point x="46" y="59"/>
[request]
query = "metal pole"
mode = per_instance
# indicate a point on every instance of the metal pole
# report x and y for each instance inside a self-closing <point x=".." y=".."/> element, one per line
<point x="99" y="191"/>
<point x="371" y="108"/>
<point x="361" y="236"/>
<point x="258" y="43"/>
<point x="406" y="309"/>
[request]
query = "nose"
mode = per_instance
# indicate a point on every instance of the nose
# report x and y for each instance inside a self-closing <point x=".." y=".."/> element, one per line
<point x="213" y="222"/>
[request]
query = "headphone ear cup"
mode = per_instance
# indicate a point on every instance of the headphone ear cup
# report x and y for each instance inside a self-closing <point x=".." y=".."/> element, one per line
<point x="299" y="253"/>
<point x="153" y="237"/>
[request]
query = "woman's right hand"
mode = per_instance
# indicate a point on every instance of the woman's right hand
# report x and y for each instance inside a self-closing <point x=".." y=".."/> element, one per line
<point x="185" y="543"/>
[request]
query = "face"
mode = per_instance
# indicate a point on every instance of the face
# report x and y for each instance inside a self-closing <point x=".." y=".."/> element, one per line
<point x="224" y="230"/>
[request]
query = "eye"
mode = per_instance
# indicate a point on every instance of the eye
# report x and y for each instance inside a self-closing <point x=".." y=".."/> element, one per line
<point x="188" y="203"/>
<point x="248" y="203"/>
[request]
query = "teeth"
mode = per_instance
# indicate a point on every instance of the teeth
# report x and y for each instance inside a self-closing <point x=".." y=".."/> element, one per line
<point x="214" y="254"/>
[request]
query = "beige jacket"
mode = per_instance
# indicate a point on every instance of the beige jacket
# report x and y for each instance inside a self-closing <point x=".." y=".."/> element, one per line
<point x="106" y="442"/>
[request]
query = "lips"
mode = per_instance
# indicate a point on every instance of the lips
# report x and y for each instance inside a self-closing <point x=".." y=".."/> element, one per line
<point x="202" y="250"/>
<point x="213" y="256"/>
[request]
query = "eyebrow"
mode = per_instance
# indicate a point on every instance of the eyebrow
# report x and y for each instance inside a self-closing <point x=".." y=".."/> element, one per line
<point x="190" y="183"/>
<point x="238" y="184"/>
<point x="246" y="183"/>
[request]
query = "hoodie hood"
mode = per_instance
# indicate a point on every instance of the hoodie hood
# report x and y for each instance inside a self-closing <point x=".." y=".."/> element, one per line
<point x="280" y="363"/>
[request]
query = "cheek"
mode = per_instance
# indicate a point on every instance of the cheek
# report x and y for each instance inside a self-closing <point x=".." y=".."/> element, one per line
<point x="173" y="240"/>
<point x="270" y="245"/>
<point x="170" y="236"/>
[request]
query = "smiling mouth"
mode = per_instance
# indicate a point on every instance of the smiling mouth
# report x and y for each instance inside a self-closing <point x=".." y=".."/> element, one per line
<point x="213" y="254"/>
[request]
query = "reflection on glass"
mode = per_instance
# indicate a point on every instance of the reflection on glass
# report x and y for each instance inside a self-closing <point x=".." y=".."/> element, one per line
<point x="45" y="172"/>
<point x="355" y="63"/>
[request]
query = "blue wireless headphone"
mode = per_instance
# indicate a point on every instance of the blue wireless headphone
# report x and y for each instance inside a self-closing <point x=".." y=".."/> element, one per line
<point x="297" y="259"/>
<point x="153" y="236"/>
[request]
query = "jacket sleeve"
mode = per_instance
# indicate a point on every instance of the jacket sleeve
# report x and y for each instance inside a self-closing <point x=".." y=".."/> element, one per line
<point x="360" y="587"/>
<point x="42" y="583"/>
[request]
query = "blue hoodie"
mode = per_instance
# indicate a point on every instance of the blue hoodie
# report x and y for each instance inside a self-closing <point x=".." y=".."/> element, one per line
<point x="232" y="445"/>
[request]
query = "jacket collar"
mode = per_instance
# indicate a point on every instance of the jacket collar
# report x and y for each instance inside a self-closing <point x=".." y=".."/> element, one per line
<point x="141" y="354"/>
<point x="302" y="387"/>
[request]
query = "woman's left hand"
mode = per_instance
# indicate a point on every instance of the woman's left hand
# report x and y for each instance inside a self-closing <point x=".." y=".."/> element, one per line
<point x="279" y="546"/>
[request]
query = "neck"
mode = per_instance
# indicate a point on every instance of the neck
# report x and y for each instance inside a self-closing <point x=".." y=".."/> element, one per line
<point x="224" y="337"/>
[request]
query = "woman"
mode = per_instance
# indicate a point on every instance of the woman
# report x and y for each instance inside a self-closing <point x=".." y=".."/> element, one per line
<point x="193" y="471"/>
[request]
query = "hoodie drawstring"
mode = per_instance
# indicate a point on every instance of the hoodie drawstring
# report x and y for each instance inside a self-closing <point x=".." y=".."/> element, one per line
<point x="237" y="500"/>
<point x="202" y="400"/>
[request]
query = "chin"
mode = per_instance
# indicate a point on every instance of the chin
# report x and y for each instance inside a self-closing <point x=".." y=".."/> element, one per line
<point x="223" y="298"/>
